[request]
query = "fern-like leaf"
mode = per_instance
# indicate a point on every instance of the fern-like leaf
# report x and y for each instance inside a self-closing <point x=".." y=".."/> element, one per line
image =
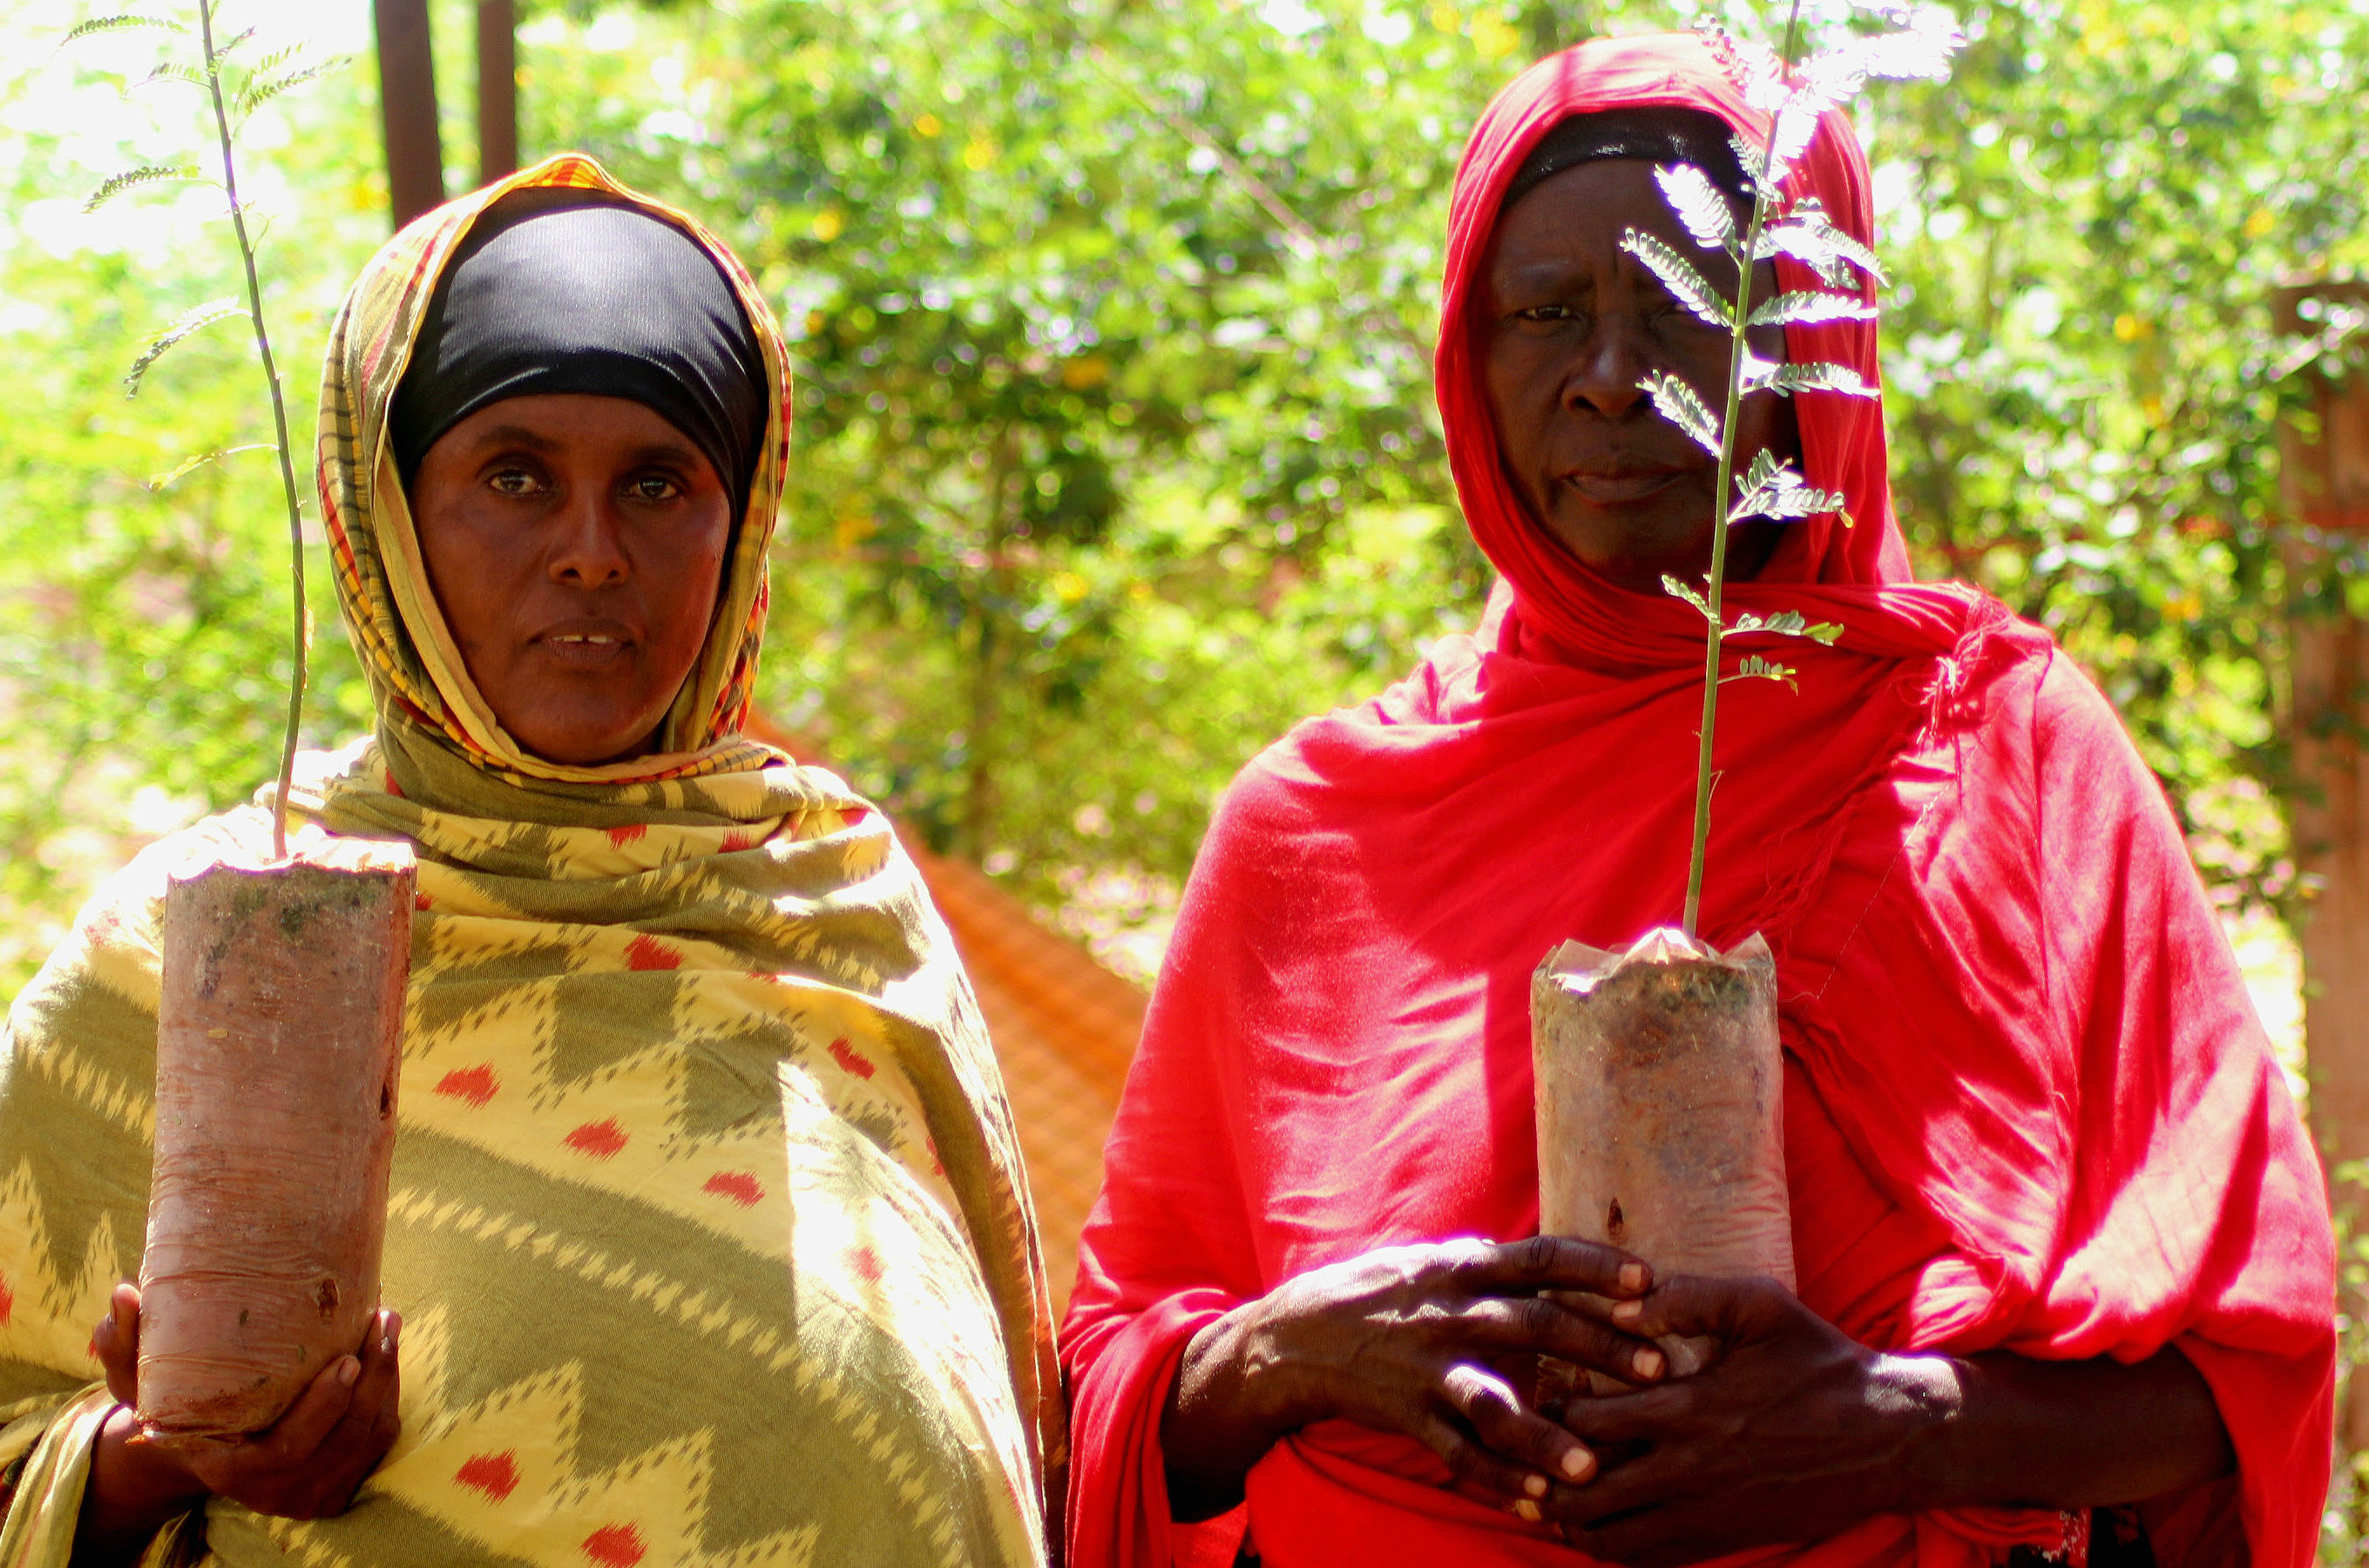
<point x="1808" y="236"/>
<point x="130" y="180"/>
<point x="1774" y="490"/>
<point x="1678" y="590"/>
<point x="1752" y="159"/>
<point x="275" y="59"/>
<point x="236" y="39"/>
<point x="1677" y="402"/>
<point x="257" y="94"/>
<point x="1701" y="206"/>
<point x="172" y="71"/>
<point x="1808" y="307"/>
<point x="189" y="466"/>
<point x="1814" y="376"/>
<point x="118" y="23"/>
<point x="1786" y="623"/>
<point x="1689" y="287"/>
<point x="1755" y="668"/>
<point x="190" y="322"/>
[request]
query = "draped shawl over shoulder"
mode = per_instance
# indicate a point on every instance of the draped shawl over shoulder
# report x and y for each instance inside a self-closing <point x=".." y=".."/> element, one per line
<point x="707" y="1219"/>
<point x="2028" y="1104"/>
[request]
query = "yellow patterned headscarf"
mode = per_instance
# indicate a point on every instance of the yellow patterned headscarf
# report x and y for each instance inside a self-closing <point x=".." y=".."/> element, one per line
<point x="706" y="1218"/>
<point x="415" y="667"/>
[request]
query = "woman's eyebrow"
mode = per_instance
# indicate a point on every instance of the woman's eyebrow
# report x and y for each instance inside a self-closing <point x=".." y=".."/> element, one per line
<point x="517" y="435"/>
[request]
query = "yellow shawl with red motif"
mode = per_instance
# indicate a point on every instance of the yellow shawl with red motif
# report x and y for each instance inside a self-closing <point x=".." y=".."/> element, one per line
<point x="707" y="1218"/>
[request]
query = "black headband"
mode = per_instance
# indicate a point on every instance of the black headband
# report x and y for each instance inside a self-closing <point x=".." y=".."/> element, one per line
<point x="560" y="290"/>
<point x="1661" y="135"/>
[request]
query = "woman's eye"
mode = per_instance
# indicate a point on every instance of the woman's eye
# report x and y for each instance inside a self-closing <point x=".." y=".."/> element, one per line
<point x="1545" y="312"/>
<point x="652" y="487"/>
<point x="513" y="482"/>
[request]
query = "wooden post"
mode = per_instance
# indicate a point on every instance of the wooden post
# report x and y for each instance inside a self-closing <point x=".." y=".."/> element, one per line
<point x="407" y="97"/>
<point x="2323" y="463"/>
<point x="498" y="148"/>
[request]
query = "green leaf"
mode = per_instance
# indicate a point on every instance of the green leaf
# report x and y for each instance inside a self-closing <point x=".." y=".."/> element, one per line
<point x="173" y="72"/>
<point x="1689" y="287"/>
<point x="1676" y="403"/>
<point x="159" y="483"/>
<point x="1699" y="205"/>
<point x="1774" y="490"/>
<point x="1815" y="376"/>
<point x="1679" y="590"/>
<point x="151" y="173"/>
<point x="234" y="40"/>
<point x="257" y="94"/>
<point x="1808" y="236"/>
<point x="118" y="23"/>
<point x="1755" y="668"/>
<point x="1808" y="307"/>
<point x="163" y="342"/>
<point x="1786" y="623"/>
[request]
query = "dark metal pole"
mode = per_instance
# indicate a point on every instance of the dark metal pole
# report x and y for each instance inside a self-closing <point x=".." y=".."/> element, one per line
<point x="497" y="149"/>
<point x="406" y="96"/>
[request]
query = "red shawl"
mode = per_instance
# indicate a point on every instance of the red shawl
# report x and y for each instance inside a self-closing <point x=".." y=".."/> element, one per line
<point x="2028" y="1103"/>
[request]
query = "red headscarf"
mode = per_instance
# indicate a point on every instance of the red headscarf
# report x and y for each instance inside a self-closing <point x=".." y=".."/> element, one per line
<point x="2027" y="1105"/>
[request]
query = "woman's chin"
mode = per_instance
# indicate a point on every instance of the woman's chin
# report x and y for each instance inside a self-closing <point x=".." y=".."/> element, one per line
<point x="587" y="744"/>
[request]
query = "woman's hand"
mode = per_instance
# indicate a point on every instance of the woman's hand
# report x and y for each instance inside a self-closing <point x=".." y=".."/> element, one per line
<point x="1414" y="1339"/>
<point x="1796" y="1431"/>
<point x="306" y="1465"/>
<point x="1793" y="1432"/>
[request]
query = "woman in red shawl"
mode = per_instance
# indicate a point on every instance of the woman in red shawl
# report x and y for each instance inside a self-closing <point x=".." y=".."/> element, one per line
<point x="2061" y="1241"/>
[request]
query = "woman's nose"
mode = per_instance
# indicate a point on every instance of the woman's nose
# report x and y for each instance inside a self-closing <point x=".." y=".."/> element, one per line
<point x="589" y="551"/>
<point x="1610" y="365"/>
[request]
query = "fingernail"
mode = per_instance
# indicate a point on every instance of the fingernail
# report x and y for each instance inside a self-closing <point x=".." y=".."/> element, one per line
<point x="348" y="1370"/>
<point x="1628" y="1312"/>
<point x="1535" y="1485"/>
<point x="1632" y="1277"/>
<point x="1577" y="1462"/>
<point x="1648" y="1363"/>
<point x="1528" y="1510"/>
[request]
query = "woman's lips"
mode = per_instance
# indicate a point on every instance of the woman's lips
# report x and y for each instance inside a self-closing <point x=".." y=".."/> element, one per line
<point x="1621" y="489"/>
<point x="585" y="647"/>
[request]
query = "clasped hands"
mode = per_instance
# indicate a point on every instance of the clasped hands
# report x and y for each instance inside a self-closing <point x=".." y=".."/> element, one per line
<point x="1792" y="1431"/>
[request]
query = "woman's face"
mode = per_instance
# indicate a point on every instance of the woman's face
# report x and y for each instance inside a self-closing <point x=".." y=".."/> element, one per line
<point x="1567" y="325"/>
<point x="576" y="544"/>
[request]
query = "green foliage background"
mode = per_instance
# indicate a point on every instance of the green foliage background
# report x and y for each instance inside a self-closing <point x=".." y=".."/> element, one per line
<point x="1115" y="448"/>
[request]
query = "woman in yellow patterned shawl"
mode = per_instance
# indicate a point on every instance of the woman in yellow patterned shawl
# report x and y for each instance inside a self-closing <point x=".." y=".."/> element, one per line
<point x="707" y="1218"/>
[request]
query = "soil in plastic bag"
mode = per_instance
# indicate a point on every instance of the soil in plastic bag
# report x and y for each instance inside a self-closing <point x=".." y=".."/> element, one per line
<point x="1661" y="1113"/>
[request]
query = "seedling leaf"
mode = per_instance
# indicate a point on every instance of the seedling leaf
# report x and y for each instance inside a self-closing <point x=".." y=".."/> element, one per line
<point x="257" y="94"/>
<point x="1786" y="623"/>
<point x="189" y="465"/>
<point x="1673" y="586"/>
<point x="1808" y="307"/>
<point x="1808" y="236"/>
<point x="170" y="72"/>
<point x="1755" y="668"/>
<point x="1677" y="402"/>
<point x="191" y="321"/>
<point x="1774" y="490"/>
<point x="118" y="23"/>
<point x="1689" y="287"/>
<point x="1817" y="376"/>
<point x="1701" y="206"/>
<point x="149" y="174"/>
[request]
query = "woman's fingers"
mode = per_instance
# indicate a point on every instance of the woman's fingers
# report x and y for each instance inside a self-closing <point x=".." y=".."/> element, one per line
<point x="1729" y="1310"/>
<point x="117" y="1339"/>
<point x="1470" y="1461"/>
<point x="1550" y="1328"/>
<point x="297" y="1436"/>
<point x="1552" y="1263"/>
<point x="370" y="1425"/>
<point x="1544" y="1453"/>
